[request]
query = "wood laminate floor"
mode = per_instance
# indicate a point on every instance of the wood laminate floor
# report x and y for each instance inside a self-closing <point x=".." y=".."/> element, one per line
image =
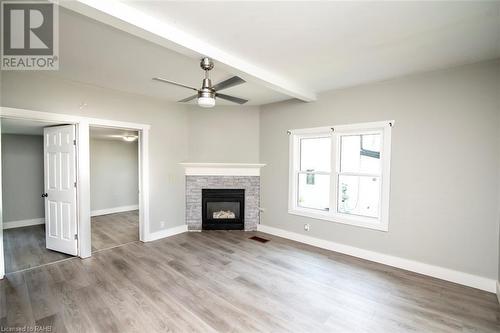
<point x="221" y="281"/>
<point x="25" y="247"/>
<point x="114" y="229"/>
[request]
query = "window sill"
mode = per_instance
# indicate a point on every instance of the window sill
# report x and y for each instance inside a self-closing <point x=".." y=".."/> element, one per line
<point x="357" y="221"/>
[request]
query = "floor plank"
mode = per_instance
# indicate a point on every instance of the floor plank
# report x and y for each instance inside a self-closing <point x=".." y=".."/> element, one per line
<point x="221" y="281"/>
<point x="25" y="247"/>
<point x="114" y="229"/>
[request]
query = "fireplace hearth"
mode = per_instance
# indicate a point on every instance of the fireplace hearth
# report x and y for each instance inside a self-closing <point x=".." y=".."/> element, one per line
<point x="223" y="209"/>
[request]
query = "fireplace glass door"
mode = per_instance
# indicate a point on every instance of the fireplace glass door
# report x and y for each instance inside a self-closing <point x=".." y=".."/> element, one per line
<point x="223" y="209"/>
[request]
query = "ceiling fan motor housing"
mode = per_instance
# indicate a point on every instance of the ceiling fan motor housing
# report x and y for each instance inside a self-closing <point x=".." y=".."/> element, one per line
<point x="206" y="89"/>
<point x="206" y="64"/>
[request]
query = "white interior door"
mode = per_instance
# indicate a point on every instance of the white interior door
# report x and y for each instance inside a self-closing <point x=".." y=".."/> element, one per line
<point x="60" y="188"/>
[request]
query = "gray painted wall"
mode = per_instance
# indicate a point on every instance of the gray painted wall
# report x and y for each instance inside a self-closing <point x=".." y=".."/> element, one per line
<point x="224" y="134"/>
<point x="445" y="162"/>
<point x="178" y="132"/>
<point x="168" y="134"/>
<point x="113" y="174"/>
<point x="22" y="174"/>
<point x="456" y="223"/>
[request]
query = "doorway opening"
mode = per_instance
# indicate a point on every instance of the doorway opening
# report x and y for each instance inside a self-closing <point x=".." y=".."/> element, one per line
<point x="39" y="201"/>
<point x="114" y="187"/>
<point x="81" y="240"/>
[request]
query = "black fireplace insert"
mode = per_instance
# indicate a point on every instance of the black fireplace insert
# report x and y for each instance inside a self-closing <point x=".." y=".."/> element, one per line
<point x="223" y="209"/>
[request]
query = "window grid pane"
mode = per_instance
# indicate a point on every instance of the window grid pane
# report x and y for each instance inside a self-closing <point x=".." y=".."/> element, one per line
<point x="313" y="191"/>
<point x="315" y="154"/>
<point x="360" y="153"/>
<point x="358" y="195"/>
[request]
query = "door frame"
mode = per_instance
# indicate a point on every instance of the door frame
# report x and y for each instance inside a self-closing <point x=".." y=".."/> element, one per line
<point x="143" y="168"/>
<point x="83" y="170"/>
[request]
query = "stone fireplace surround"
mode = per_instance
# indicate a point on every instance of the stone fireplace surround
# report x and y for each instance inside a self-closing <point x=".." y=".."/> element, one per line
<point x="222" y="176"/>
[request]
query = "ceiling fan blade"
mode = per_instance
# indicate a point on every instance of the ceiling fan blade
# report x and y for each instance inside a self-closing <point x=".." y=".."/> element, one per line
<point x="231" y="82"/>
<point x="232" y="98"/>
<point x="174" y="83"/>
<point x="187" y="99"/>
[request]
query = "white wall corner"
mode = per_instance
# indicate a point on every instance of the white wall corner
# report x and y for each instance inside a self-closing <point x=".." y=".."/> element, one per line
<point x="442" y="273"/>
<point x="165" y="233"/>
<point x="498" y="291"/>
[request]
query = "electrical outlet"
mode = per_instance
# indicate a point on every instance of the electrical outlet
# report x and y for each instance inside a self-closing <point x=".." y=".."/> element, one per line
<point x="307" y="227"/>
<point x="162" y="224"/>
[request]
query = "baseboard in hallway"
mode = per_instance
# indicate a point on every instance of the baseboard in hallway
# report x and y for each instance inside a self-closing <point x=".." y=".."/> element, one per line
<point x="113" y="210"/>
<point x="23" y="223"/>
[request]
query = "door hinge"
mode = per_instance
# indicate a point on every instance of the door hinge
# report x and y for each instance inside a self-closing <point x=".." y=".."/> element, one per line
<point x="74" y="184"/>
<point x="76" y="236"/>
<point x="74" y="142"/>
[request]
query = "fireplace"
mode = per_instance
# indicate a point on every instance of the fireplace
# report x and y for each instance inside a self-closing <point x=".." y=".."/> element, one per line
<point x="223" y="209"/>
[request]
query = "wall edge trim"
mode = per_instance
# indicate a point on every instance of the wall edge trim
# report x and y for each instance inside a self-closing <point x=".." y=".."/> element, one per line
<point x="498" y="291"/>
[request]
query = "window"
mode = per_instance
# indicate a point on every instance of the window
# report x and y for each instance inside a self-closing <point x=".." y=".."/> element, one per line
<point x="341" y="173"/>
<point x="314" y="173"/>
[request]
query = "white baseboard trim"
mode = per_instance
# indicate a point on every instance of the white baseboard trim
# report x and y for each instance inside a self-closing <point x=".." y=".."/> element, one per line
<point x="498" y="291"/>
<point x="23" y="223"/>
<point x="166" y="233"/>
<point x="113" y="210"/>
<point x="447" y="274"/>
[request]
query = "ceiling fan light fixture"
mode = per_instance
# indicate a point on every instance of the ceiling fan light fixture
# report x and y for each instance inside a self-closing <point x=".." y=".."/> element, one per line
<point x="206" y="96"/>
<point x="206" y="102"/>
<point x="207" y="93"/>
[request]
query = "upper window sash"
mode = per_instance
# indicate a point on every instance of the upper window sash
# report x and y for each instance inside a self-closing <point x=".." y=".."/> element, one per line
<point x="295" y="149"/>
<point x="324" y="166"/>
<point x="338" y="152"/>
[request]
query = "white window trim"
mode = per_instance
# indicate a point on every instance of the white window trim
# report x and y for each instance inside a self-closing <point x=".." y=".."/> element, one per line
<point x="383" y="127"/>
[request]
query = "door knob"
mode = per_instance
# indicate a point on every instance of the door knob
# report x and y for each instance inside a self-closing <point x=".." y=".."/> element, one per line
<point x="44" y="195"/>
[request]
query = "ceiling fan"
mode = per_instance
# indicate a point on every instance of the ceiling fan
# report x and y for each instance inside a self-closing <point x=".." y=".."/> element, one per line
<point x="207" y="93"/>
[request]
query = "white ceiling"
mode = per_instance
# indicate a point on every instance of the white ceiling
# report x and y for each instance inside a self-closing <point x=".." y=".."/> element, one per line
<point x="332" y="44"/>
<point x="23" y="127"/>
<point x="98" y="54"/>
<point x="317" y="45"/>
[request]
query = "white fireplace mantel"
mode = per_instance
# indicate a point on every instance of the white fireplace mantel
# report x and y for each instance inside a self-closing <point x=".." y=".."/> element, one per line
<point x="221" y="169"/>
